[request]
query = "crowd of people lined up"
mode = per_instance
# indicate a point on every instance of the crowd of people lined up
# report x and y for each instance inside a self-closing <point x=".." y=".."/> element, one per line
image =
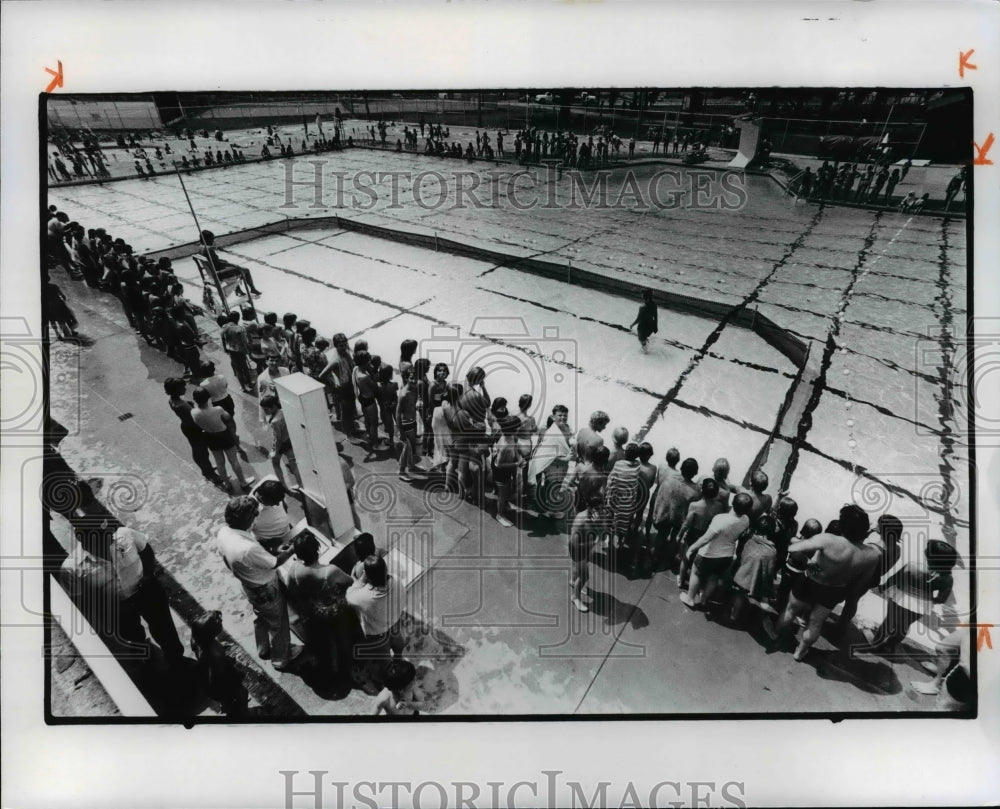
<point x="528" y="145"/>
<point x="726" y="137"/>
<point x="151" y="296"/>
<point x="735" y="549"/>
<point x="531" y="144"/>
<point x="87" y="159"/>
<point x="871" y="183"/>
<point x="742" y="545"/>
<point x="90" y="162"/>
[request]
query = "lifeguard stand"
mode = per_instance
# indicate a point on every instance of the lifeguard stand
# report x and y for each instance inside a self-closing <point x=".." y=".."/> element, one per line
<point x="218" y="296"/>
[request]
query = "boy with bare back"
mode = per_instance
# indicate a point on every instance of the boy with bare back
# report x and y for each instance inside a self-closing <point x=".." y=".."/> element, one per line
<point x="837" y="563"/>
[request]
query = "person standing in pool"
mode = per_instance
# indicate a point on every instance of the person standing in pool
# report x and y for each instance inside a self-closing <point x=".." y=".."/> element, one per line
<point x="646" y="321"/>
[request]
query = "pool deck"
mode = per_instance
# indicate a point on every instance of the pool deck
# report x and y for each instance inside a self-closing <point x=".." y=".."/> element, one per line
<point x="492" y="629"/>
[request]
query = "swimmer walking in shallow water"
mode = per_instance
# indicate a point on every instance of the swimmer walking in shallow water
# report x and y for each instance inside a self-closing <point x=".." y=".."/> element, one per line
<point x="646" y="321"/>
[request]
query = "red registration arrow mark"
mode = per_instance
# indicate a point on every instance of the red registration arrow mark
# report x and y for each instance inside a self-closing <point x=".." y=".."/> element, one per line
<point x="982" y="635"/>
<point x="980" y="158"/>
<point x="964" y="63"/>
<point x="57" y="81"/>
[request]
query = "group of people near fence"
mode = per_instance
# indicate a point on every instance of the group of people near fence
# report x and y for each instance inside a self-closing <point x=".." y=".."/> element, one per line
<point x="853" y="182"/>
<point x="88" y="162"/>
<point x="530" y="144"/>
<point x="871" y="183"/>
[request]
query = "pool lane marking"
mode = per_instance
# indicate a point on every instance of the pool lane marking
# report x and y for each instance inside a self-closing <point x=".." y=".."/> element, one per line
<point x="787" y="307"/>
<point x="861" y="270"/>
<point x="661" y="407"/>
<point x="945" y="371"/>
<point x="829" y="349"/>
<point x="619" y="327"/>
<point x="205" y="193"/>
<point x="883" y="361"/>
<point x="884" y="411"/>
<point x="517" y="347"/>
<point x="343" y="251"/>
<point x="862" y="471"/>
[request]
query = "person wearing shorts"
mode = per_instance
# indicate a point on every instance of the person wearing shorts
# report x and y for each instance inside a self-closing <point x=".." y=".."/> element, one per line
<point x="366" y="388"/>
<point x="700" y="514"/>
<point x="712" y="554"/>
<point x="707" y="567"/>
<point x="219" y="432"/>
<point x="795" y="564"/>
<point x="836" y="565"/>
<point x="813" y="592"/>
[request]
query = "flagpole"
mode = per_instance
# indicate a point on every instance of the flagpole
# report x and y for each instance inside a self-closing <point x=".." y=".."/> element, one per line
<point x="887" y="117"/>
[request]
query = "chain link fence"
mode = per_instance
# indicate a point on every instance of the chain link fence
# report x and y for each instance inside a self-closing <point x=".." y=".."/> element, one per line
<point x="803" y="136"/>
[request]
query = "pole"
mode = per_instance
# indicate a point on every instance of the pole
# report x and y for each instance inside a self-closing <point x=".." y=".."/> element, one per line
<point x="886" y="124"/>
<point x="920" y="140"/>
<point x="208" y="253"/>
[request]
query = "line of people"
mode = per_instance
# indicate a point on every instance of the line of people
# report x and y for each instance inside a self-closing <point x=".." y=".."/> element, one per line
<point x="720" y="539"/>
<point x="852" y="182"/>
<point x="741" y="551"/>
<point x="658" y="516"/>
